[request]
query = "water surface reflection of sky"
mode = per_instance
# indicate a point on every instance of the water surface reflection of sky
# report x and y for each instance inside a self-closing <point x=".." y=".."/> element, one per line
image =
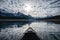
<point x="45" y="30"/>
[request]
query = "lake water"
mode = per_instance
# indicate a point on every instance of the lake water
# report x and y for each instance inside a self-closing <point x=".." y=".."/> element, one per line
<point x="16" y="30"/>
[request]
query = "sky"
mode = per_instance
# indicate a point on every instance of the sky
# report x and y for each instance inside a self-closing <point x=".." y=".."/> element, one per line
<point x="35" y="8"/>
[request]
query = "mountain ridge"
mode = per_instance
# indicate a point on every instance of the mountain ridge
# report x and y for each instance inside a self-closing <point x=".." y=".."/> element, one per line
<point x="13" y="15"/>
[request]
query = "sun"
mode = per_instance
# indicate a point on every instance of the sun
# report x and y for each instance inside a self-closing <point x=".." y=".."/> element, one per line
<point x="27" y="7"/>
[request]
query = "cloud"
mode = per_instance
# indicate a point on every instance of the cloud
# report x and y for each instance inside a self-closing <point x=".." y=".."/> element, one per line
<point x="40" y="7"/>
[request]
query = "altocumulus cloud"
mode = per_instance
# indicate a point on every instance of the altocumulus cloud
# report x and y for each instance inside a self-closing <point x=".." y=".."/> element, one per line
<point x="37" y="8"/>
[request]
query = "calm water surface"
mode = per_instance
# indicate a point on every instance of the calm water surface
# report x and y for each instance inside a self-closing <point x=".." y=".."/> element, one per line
<point x="15" y="30"/>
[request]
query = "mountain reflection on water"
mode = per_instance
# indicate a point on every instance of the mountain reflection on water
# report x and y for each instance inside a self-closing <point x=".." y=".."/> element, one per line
<point x="13" y="24"/>
<point x="15" y="30"/>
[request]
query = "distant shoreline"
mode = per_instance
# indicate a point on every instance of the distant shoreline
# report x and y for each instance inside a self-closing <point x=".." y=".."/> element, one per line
<point x="29" y="20"/>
